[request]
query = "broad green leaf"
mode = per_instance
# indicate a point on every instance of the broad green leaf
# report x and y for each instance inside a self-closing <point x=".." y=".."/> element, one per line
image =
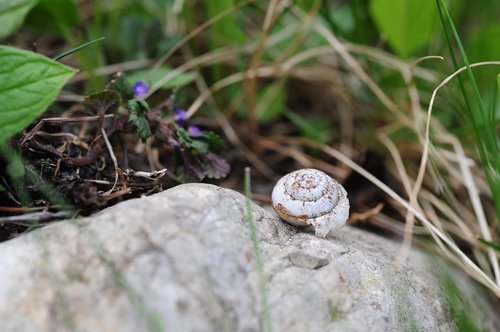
<point x="484" y="44"/>
<point x="407" y="24"/>
<point x="157" y="75"/>
<point x="29" y="83"/>
<point x="53" y="16"/>
<point x="12" y="14"/>
<point x="226" y="30"/>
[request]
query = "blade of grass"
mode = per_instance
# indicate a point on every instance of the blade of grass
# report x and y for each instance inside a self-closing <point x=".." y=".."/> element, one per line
<point x="76" y="49"/>
<point x="425" y="154"/>
<point x="452" y="55"/>
<point x="490" y="244"/>
<point x="485" y="139"/>
<point x="258" y="254"/>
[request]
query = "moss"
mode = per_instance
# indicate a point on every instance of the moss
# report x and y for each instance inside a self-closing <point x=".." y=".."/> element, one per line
<point x="335" y="312"/>
<point x="405" y="310"/>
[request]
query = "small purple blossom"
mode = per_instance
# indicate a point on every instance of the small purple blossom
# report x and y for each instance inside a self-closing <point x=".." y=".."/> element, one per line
<point x="140" y="89"/>
<point x="194" y="131"/>
<point x="179" y="116"/>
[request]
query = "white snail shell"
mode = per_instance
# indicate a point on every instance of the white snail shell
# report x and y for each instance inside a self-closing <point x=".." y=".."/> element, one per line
<point x="311" y="197"/>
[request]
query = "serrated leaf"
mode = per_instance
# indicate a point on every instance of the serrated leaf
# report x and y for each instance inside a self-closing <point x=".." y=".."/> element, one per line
<point x="137" y="108"/>
<point x="215" y="167"/>
<point x="151" y="78"/>
<point x="29" y="83"/>
<point x="12" y="14"/>
<point x="192" y="167"/>
<point x="53" y="16"/>
<point x="201" y="166"/>
<point x="407" y="24"/>
<point x="141" y="124"/>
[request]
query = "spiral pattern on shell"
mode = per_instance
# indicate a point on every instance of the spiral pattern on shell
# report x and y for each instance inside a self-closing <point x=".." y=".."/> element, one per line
<point x="311" y="197"/>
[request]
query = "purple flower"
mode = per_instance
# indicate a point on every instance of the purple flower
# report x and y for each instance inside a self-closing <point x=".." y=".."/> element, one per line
<point x="194" y="131"/>
<point x="179" y="116"/>
<point x="140" y="89"/>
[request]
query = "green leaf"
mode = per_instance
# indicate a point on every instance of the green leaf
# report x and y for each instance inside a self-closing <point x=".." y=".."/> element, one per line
<point x="197" y="145"/>
<point x="226" y="29"/>
<point x="29" y="83"/>
<point x="407" y="24"/>
<point x="271" y="102"/>
<point x="53" y="16"/>
<point x="151" y="78"/>
<point x="314" y="128"/>
<point x="12" y="14"/>
<point x="141" y="124"/>
<point x="137" y="108"/>
<point x="484" y="44"/>
<point x="215" y="142"/>
<point x="15" y="166"/>
<point x="120" y="85"/>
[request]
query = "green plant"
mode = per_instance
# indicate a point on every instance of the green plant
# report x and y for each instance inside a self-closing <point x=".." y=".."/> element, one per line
<point x="481" y="119"/>
<point x="405" y="31"/>
<point x="29" y="83"/>
<point x="12" y="14"/>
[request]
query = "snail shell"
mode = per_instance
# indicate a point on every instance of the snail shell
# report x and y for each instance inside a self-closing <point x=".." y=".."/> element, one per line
<point x="311" y="197"/>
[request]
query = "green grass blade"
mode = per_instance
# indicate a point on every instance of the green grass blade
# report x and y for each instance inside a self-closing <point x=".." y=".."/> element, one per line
<point x="483" y="129"/>
<point x="258" y="253"/>
<point x="76" y="49"/>
<point x="452" y="55"/>
<point x="490" y="244"/>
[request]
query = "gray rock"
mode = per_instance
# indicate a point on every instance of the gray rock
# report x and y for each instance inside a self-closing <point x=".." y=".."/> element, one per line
<point x="183" y="260"/>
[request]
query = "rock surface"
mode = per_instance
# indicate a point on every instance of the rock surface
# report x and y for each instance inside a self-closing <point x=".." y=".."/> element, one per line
<point x="183" y="260"/>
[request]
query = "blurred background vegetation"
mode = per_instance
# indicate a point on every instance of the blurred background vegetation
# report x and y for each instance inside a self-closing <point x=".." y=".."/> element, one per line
<point x="343" y="86"/>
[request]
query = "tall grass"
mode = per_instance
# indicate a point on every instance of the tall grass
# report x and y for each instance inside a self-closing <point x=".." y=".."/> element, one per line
<point x="480" y="118"/>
